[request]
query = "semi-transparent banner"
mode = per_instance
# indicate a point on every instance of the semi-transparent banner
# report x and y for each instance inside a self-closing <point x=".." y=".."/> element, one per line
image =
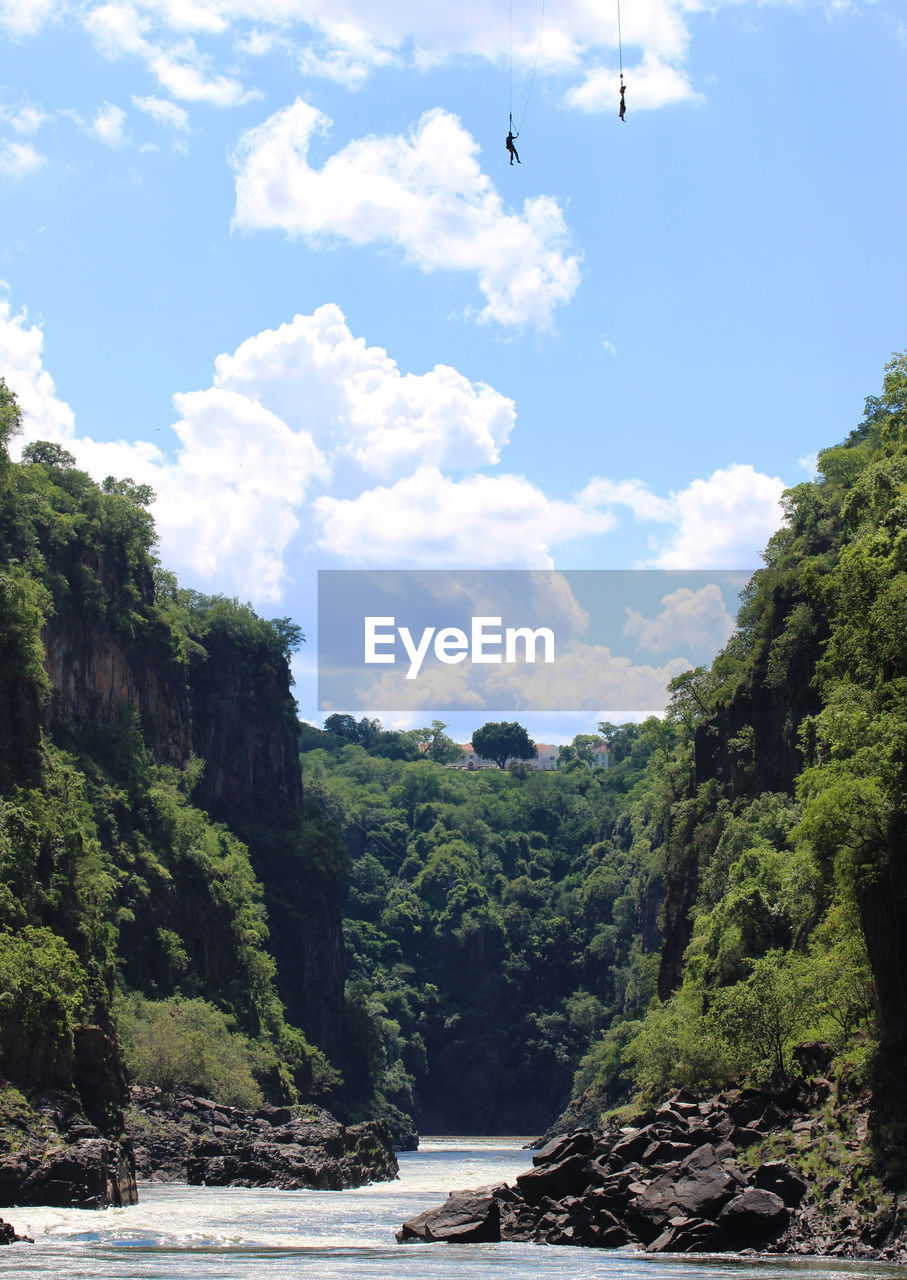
<point x="515" y="639"/>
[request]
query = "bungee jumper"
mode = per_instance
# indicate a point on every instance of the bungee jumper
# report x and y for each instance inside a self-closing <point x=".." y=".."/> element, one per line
<point x="623" y="99"/>
<point x="509" y="144"/>
<point x="513" y="134"/>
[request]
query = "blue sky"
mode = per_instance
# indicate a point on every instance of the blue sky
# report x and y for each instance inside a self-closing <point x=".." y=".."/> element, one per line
<point x="269" y="256"/>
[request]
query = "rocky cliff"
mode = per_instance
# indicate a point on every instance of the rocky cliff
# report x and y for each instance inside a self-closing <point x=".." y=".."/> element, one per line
<point x="244" y="726"/>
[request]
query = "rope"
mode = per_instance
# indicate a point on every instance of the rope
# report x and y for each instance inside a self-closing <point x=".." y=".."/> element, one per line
<point x="620" y="51"/>
<point x="538" y="50"/>
<point x="510" y="53"/>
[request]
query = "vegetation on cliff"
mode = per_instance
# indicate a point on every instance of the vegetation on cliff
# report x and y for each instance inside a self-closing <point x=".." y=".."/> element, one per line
<point x="779" y="809"/>
<point x="733" y="883"/>
<point x="116" y="882"/>
<point x="731" y="886"/>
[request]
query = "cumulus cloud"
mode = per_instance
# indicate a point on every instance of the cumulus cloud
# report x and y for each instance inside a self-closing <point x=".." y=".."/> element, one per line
<point x="429" y="519"/>
<point x="163" y="112"/>
<point x="192" y="45"/>
<point x="360" y="405"/>
<point x="108" y="125"/>
<point x="424" y="193"/>
<point x="19" y="159"/>
<point x="721" y="522"/>
<point x="688" y="619"/>
<point x="307" y="432"/>
<point x="120" y="29"/>
<point x="651" y="84"/>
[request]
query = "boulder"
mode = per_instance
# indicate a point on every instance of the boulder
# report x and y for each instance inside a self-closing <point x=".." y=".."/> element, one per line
<point x="580" y="1142"/>
<point x="631" y="1147"/>
<point x="465" y="1217"/>
<point x="8" y="1235"/>
<point x="685" y="1235"/>
<point x="752" y="1218"/>
<point x="565" y="1178"/>
<point x="779" y="1177"/>
<point x="699" y="1188"/>
<point x="662" y="1153"/>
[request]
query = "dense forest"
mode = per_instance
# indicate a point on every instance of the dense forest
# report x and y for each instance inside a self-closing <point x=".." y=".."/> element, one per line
<point x="125" y="898"/>
<point x="731" y="886"/>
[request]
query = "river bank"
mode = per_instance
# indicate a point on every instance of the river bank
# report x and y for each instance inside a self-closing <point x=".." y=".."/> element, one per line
<point x="177" y="1232"/>
<point x="743" y="1171"/>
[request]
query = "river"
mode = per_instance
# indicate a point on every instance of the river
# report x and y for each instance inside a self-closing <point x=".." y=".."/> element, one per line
<point x="178" y="1232"/>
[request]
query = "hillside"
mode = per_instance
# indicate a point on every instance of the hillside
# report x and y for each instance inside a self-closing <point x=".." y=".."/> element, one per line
<point x="143" y="726"/>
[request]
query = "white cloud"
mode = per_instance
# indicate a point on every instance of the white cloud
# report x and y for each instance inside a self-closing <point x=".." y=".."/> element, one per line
<point x="424" y="193"/>
<point x="360" y="406"/>
<point x="25" y="17"/>
<point x="299" y="423"/>
<point x="119" y="28"/>
<point x="634" y="494"/>
<point x="164" y="113"/>
<point x="348" y="39"/>
<point x="651" y="84"/>
<point x="723" y="522"/>
<point x="430" y="520"/>
<point x="21" y="364"/>
<point x="688" y="619"/>
<point x="108" y="125"/>
<point x="25" y="119"/>
<point x="19" y="159"/>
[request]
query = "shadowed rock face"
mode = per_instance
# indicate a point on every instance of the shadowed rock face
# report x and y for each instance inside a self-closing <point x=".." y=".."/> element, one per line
<point x="188" y="1139"/>
<point x="605" y="1189"/>
<point x="66" y="1152"/>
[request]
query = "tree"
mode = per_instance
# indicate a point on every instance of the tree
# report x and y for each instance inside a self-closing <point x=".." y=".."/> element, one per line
<point x="49" y="455"/>
<point x="582" y="748"/>
<point x="762" y="1015"/>
<point x="343" y="725"/>
<point x="501" y="741"/>
<point x="440" y="748"/>
<point x="10" y="417"/>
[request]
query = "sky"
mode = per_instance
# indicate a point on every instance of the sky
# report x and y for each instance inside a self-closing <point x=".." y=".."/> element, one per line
<point x="269" y="256"/>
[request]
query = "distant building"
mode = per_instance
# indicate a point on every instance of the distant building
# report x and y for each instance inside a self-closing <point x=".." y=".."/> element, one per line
<point x="545" y="759"/>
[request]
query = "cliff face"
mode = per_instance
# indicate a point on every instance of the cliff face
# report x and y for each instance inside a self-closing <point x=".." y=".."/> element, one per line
<point x="244" y="725"/>
<point x="746" y="748"/>
<point x="96" y="674"/>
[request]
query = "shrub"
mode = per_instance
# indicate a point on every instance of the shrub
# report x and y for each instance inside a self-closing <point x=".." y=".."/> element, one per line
<point x="189" y="1044"/>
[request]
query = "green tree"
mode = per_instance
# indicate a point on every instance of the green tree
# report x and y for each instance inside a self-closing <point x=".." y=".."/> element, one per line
<point x="501" y="741"/>
<point x="762" y="1016"/>
<point x="48" y="454"/>
<point x="441" y="749"/>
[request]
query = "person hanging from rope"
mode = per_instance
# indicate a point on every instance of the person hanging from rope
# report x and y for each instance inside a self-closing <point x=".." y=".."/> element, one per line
<point x="623" y="98"/>
<point x="509" y="144"/>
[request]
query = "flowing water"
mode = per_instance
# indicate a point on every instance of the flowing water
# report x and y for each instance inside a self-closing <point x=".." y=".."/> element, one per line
<point x="180" y="1232"/>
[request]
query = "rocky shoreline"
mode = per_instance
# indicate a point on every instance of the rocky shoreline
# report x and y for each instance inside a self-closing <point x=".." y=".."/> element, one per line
<point x="181" y="1138"/>
<point x="739" y="1172"/>
<point x="51" y="1154"/>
